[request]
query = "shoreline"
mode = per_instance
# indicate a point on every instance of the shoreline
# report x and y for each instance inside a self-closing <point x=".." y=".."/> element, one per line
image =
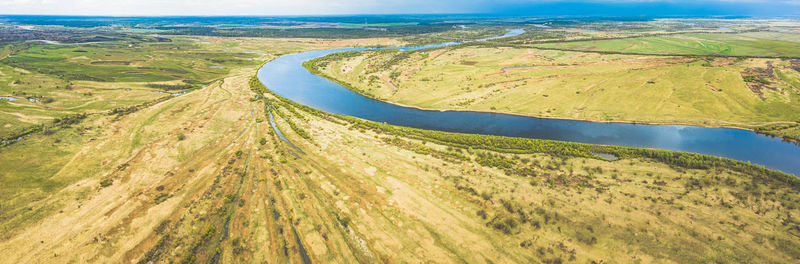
<point x="570" y="118"/>
<point x="348" y="86"/>
<point x="490" y="135"/>
<point x="752" y="134"/>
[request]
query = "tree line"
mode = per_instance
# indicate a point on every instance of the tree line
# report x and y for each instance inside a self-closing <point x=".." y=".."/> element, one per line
<point x="516" y="145"/>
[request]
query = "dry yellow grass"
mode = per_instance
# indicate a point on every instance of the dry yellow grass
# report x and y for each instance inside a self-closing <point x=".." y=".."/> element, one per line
<point x="576" y="85"/>
<point x="353" y="197"/>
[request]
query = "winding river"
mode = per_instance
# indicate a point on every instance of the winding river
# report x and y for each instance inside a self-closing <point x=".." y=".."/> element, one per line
<point x="287" y="77"/>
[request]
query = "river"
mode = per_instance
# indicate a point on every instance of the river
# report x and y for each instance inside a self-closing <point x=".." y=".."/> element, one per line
<point x="287" y="77"/>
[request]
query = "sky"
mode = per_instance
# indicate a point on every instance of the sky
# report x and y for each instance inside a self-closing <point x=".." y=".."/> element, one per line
<point x="336" y="7"/>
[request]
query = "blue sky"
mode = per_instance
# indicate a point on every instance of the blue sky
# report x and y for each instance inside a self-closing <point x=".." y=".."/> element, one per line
<point x="328" y="7"/>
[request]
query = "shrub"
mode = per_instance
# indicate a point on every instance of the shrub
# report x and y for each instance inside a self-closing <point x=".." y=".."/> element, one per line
<point x="106" y="183"/>
<point x="482" y="213"/>
<point x="275" y="214"/>
<point x="161" y="198"/>
<point x="229" y="197"/>
<point x="505" y="224"/>
<point x="47" y="131"/>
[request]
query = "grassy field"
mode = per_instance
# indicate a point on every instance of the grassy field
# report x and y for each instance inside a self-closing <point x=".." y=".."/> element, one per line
<point x="52" y="81"/>
<point x="744" y="44"/>
<point x="203" y="178"/>
<point x="576" y="85"/>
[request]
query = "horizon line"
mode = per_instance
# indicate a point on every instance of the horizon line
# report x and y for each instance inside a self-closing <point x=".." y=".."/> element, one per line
<point x="405" y="14"/>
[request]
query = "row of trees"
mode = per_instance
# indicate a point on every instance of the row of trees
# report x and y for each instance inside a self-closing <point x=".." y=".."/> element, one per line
<point x="46" y="128"/>
<point x="555" y="148"/>
<point x="170" y="87"/>
<point x="327" y="33"/>
<point x="297" y="129"/>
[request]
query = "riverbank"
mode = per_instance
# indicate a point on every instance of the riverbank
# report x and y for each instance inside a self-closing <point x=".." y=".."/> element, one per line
<point x="753" y="128"/>
<point x="288" y="77"/>
<point x="658" y="90"/>
<point x="204" y="177"/>
<point x="523" y="145"/>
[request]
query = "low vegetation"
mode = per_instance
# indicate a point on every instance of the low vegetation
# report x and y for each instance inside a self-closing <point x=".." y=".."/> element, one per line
<point x="759" y="44"/>
<point x="202" y="178"/>
<point x="733" y="92"/>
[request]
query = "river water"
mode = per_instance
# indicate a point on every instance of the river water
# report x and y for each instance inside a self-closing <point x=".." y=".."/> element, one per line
<point x="287" y="77"/>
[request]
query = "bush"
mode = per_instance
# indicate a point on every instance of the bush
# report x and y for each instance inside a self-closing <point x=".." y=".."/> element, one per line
<point x="106" y="183"/>
<point x="229" y="198"/>
<point x="48" y="131"/>
<point x="505" y="224"/>
<point x="555" y="148"/>
<point x="482" y="213"/>
<point x="161" y="198"/>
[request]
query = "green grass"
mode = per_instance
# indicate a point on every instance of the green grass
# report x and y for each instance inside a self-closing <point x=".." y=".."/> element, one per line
<point x="745" y="44"/>
<point x="371" y="192"/>
<point x="405" y="193"/>
<point x="70" y="79"/>
<point x="548" y="199"/>
<point x="128" y="62"/>
<point x="360" y="25"/>
<point x="80" y="78"/>
<point x="30" y="172"/>
<point x="578" y="85"/>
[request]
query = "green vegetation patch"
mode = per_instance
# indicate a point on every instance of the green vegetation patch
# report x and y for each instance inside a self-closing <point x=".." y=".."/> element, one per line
<point x="127" y="62"/>
<point x="552" y="147"/>
<point x="713" y="91"/>
<point x="745" y="44"/>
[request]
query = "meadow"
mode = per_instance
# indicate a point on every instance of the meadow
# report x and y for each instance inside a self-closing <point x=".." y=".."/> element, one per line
<point x="760" y="44"/>
<point x="120" y="172"/>
<point x="49" y="81"/>
<point x="737" y="92"/>
<point x="204" y="178"/>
